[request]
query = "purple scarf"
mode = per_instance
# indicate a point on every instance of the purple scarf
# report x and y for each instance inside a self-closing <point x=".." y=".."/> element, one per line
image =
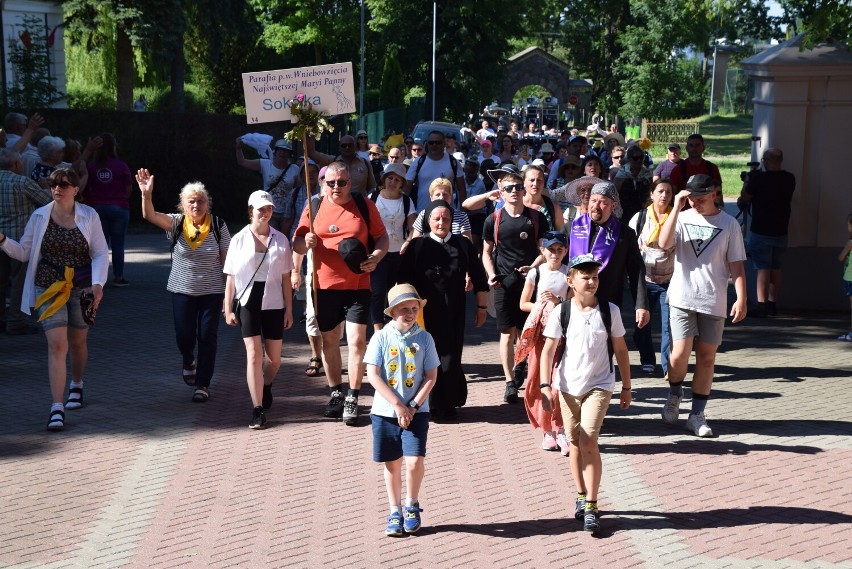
<point x="605" y="240"/>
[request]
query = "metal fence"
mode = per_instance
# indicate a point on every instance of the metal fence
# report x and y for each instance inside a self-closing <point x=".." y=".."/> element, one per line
<point x="400" y="119"/>
<point x="666" y="132"/>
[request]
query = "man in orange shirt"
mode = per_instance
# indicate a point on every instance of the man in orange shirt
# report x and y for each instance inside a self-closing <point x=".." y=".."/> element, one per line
<point x="341" y="238"/>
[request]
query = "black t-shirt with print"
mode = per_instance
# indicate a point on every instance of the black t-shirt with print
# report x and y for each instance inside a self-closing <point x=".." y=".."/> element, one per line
<point x="517" y="243"/>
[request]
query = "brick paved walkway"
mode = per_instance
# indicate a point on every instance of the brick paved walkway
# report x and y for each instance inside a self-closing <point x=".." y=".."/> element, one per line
<point x="142" y="477"/>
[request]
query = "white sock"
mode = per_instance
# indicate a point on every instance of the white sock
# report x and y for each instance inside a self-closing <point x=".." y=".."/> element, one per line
<point x="412" y="502"/>
<point x="395" y="509"/>
<point x="57" y="407"/>
<point x="76" y="384"/>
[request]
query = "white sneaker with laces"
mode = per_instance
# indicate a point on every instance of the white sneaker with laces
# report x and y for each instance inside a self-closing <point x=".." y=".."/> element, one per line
<point x="672" y="409"/>
<point x="698" y="425"/>
<point x="549" y="441"/>
<point x="562" y="441"/>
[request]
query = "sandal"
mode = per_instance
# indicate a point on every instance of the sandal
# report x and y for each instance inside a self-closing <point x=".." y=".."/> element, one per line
<point x="56" y="421"/>
<point x="75" y="398"/>
<point x="845" y="337"/>
<point x="201" y="395"/>
<point x="314" y="369"/>
<point x="189" y="375"/>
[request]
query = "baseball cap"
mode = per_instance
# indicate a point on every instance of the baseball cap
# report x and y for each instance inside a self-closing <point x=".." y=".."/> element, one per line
<point x="674" y="146"/>
<point x="259" y="199"/>
<point x="587" y="259"/>
<point x="700" y="185"/>
<point x="554" y="237"/>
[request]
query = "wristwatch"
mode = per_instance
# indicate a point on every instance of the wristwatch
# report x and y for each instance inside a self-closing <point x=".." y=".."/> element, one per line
<point x="413" y="404"/>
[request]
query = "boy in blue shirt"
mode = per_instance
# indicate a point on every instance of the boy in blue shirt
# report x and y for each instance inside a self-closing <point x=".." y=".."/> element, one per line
<point x="402" y="366"/>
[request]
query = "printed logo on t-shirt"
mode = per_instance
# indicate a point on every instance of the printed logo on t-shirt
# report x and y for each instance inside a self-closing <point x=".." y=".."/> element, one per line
<point x="105" y="175"/>
<point x="700" y="236"/>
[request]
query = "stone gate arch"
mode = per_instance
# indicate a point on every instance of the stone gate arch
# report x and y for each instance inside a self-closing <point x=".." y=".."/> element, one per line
<point x="534" y="66"/>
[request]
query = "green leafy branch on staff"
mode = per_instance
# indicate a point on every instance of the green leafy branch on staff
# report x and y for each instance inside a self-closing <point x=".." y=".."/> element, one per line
<point x="306" y="121"/>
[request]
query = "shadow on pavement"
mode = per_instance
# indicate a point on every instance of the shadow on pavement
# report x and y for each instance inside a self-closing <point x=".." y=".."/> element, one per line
<point x="628" y="426"/>
<point x="716" y="448"/>
<point x="721" y="518"/>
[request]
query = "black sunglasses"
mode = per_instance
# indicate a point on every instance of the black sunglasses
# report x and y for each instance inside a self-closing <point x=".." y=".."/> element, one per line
<point x="513" y="188"/>
<point x="62" y="185"/>
<point x="338" y="183"/>
<point x="364" y="137"/>
<point x="614" y="157"/>
<point x="435" y="142"/>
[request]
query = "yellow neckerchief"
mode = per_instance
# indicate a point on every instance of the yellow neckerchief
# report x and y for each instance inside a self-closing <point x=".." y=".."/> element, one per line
<point x="656" y="224"/>
<point x="195" y="237"/>
<point x="59" y="292"/>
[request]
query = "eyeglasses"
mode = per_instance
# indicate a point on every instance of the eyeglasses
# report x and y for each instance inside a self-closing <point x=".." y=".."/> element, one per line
<point x="513" y="188"/>
<point x="362" y="137"/>
<point x="619" y="157"/>
<point x="338" y="183"/>
<point x="62" y="185"/>
<point x="347" y="145"/>
<point x="195" y="237"/>
<point x="435" y="142"/>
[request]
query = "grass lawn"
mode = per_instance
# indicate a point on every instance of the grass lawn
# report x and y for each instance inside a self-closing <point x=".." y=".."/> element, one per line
<point x="728" y="141"/>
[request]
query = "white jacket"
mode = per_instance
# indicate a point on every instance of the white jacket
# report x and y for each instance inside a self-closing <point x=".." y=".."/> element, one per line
<point x="29" y="248"/>
<point x="240" y="262"/>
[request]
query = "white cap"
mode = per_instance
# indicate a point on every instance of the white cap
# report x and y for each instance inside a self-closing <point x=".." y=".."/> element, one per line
<point x="259" y="199"/>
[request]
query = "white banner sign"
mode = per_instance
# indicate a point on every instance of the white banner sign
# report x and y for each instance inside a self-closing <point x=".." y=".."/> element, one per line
<point x="329" y="88"/>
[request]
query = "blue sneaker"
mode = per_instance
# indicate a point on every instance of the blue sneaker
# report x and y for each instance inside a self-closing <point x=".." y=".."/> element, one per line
<point x="579" y="509"/>
<point x="394" y="528"/>
<point x="412" y="518"/>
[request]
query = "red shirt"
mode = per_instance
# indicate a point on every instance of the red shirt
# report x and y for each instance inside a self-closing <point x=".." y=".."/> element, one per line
<point x="332" y="271"/>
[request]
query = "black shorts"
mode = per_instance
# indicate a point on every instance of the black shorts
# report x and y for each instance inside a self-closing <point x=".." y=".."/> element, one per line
<point x="335" y="306"/>
<point x="256" y="322"/>
<point x="507" y="305"/>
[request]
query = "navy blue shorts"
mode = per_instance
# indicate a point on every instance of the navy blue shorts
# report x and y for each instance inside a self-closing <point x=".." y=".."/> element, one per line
<point x="391" y="442"/>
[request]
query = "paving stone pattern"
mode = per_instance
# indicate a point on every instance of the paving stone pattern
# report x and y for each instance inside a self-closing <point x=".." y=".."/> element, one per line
<point x="143" y="477"/>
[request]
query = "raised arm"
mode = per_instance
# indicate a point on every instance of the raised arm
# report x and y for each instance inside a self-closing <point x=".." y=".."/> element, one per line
<point x="146" y="184"/>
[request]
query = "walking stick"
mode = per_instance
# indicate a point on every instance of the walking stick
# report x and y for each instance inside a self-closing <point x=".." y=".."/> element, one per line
<point x="310" y="224"/>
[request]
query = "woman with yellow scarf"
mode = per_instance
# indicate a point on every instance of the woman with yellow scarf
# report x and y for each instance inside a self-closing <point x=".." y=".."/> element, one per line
<point x="659" y="267"/>
<point x="199" y="245"/>
<point x="68" y="264"/>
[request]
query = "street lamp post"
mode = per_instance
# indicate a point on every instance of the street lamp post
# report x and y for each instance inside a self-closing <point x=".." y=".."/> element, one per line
<point x="361" y="96"/>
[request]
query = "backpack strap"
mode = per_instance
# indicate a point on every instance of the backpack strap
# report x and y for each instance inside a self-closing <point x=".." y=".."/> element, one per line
<point x="414" y="184"/>
<point x="364" y="210"/>
<point x="640" y="223"/>
<point x="215" y="226"/>
<point x="606" y="316"/>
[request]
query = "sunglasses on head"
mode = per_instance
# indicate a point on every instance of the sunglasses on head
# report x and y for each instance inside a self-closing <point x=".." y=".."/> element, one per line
<point x="513" y="188"/>
<point x="338" y="183"/>
<point x="62" y="185"/>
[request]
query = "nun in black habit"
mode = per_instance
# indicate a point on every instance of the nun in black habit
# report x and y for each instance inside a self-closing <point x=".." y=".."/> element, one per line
<point x="438" y="264"/>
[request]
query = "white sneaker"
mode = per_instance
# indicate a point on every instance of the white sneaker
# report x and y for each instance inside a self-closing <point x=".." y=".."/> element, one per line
<point x="672" y="409"/>
<point x="562" y="441"/>
<point x="698" y="425"/>
<point x="549" y="441"/>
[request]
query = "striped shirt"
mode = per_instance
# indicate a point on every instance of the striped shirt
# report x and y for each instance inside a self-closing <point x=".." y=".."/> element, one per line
<point x="199" y="271"/>
<point x="461" y="222"/>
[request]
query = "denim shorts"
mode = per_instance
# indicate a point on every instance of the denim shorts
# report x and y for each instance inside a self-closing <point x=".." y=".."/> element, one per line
<point x="766" y="251"/>
<point x="391" y="442"/>
<point x="70" y="315"/>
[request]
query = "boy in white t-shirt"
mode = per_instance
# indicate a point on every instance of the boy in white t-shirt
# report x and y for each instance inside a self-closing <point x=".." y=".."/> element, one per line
<point x="586" y="378"/>
<point x="708" y="249"/>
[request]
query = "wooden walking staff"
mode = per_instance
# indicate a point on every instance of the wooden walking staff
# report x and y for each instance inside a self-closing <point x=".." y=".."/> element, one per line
<point x="310" y="221"/>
